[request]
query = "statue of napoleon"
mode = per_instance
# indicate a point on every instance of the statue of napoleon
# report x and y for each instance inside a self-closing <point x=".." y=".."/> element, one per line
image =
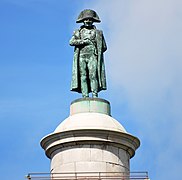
<point x="88" y="74"/>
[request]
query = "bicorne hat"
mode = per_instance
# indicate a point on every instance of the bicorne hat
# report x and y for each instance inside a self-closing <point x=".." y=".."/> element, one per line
<point x="88" y="14"/>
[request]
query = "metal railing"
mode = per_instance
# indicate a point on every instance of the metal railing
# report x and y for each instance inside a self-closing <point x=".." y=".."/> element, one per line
<point x="89" y="176"/>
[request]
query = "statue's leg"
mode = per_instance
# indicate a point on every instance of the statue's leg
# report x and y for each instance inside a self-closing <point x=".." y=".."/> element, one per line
<point x="92" y="67"/>
<point x="83" y="77"/>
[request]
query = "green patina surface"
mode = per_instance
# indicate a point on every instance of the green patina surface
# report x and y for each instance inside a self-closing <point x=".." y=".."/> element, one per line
<point x="88" y="72"/>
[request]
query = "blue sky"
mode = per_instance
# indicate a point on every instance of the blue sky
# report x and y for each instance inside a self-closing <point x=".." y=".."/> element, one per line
<point x="144" y="70"/>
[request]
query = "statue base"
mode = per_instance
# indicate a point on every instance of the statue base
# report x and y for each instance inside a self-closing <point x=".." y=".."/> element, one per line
<point x="92" y="105"/>
<point x="90" y="141"/>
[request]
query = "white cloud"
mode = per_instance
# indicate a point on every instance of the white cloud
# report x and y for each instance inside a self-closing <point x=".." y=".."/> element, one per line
<point x="144" y="60"/>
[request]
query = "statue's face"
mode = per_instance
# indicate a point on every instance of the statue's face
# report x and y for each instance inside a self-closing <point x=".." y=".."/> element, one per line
<point x="88" y="22"/>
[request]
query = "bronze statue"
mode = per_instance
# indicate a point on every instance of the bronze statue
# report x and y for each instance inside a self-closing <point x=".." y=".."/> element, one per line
<point x="88" y="74"/>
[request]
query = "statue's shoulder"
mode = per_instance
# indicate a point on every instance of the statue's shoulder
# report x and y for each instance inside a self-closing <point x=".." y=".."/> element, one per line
<point x="99" y="32"/>
<point x="76" y="32"/>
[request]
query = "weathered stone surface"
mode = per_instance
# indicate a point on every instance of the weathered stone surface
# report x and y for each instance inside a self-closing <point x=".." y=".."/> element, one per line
<point x="105" y="157"/>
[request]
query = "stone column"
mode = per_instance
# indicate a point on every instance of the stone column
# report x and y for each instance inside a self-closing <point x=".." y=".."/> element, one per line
<point x="90" y="141"/>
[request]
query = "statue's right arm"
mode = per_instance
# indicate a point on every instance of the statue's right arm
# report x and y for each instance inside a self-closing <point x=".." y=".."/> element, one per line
<point x="76" y="39"/>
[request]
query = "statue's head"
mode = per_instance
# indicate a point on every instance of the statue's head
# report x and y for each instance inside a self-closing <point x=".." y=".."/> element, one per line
<point x="88" y="17"/>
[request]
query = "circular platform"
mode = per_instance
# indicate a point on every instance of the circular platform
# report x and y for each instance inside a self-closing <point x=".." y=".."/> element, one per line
<point x="90" y="113"/>
<point x="91" y="105"/>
